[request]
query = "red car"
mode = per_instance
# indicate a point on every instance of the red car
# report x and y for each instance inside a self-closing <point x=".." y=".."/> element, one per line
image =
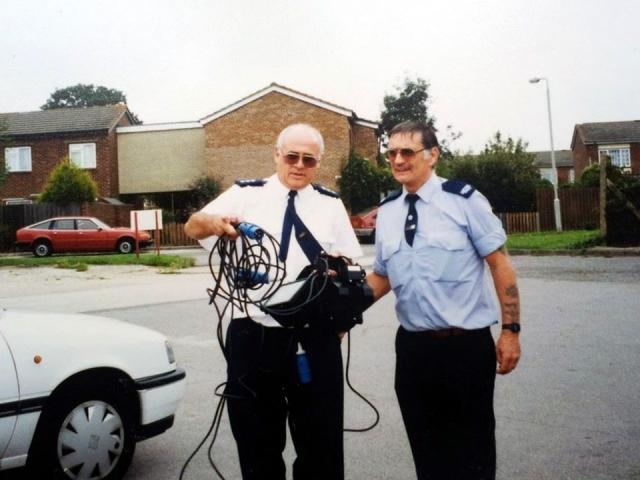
<point x="364" y="224"/>
<point x="78" y="234"/>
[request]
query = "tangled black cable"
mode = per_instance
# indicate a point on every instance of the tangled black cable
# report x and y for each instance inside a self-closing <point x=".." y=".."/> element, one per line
<point x="250" y="273"/>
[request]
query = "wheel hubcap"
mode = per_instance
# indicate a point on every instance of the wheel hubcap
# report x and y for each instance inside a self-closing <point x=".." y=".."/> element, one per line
<point x="90" y="441"/>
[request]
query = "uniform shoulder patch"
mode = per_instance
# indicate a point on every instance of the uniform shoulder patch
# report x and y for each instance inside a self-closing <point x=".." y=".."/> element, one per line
<point x="392" y="196"/>
<point x="458" y="187"/>
<point x="324" y="190"/>
<point x="252" y="182"/>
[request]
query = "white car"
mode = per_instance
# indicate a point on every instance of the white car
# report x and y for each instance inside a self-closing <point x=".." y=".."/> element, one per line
<point x="78" y="391"/>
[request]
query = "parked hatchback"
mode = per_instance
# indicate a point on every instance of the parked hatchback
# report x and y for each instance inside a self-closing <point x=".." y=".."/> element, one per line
<point x="78" y="391"/>
<point x="364" y="224"/>
<point x="78" y="234"/>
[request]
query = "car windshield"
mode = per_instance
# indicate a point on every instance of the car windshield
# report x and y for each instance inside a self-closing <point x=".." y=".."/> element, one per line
<point x="100" y="223"/>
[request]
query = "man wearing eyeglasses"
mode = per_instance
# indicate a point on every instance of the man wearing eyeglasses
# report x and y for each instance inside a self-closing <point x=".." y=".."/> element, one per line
<point x="263" y="390"/>
<point x="433" y="239"/>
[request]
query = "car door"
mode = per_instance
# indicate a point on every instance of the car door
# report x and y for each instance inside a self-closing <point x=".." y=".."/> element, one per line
<point x="63" y="235"/>
<point x="8" y="395"/>
<point x="91" y="236"/>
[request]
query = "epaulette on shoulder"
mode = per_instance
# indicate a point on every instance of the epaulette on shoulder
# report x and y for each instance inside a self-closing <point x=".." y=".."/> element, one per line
<point x="252" y="182"/>
<point x="392" y="196"/>
<point x="324" y="190"/>
<point x="458" y="187"/>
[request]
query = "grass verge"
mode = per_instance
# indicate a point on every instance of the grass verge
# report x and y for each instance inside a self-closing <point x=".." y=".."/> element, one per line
<point x="571" y="240"/>
<point x="81" y="262"/>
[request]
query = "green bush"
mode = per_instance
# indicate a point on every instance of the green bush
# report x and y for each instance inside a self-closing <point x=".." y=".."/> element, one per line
<point x="504" y="172"/>
<point x="69" y="184"/>
<point x="591" y="175"/>
<point x="362" y="182"/>
<point x="623" y="228"/>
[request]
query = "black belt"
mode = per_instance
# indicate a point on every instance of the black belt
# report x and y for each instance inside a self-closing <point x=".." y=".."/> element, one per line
<point x="451" y="332"/>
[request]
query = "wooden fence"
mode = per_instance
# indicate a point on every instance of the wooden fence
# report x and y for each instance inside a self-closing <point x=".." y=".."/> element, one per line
<point x="520" y="222"/>
<point x="173" y="235"/>
<point x="579" y="208"/>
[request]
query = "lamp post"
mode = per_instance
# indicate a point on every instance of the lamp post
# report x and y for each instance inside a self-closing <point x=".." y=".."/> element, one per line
<point x="556" y="200"/>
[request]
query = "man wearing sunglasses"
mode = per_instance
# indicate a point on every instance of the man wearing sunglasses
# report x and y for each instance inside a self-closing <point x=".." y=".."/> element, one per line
<point x="433" y="239"/>
<point x="263" y="389"/>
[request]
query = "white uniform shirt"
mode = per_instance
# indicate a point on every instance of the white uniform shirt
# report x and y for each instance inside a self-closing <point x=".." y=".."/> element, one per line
<point x="324" y="215"/>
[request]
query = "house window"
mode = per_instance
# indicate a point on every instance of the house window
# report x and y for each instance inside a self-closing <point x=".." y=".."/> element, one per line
<point x="83" y="154"/>
<point x="620" y="155"/>
<point x="18" y="159"/>
<point x="547" y="174"/>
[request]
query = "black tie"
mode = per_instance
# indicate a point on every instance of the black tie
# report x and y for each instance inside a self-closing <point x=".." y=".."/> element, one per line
<point x="306" y="240"/>
<point x="411" y="224"/>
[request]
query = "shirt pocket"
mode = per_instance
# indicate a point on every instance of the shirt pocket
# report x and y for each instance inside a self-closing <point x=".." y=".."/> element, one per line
<point x="446" y="254"/>
<point x="397" y="263"/>
<point x="326" y="235"/>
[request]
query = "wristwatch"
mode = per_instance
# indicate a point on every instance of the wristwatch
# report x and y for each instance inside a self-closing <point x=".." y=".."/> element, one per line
<point x="512" y="327"/>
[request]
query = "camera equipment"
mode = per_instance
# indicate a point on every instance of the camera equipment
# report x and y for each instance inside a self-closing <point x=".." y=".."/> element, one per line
<point x="332" y="293"/>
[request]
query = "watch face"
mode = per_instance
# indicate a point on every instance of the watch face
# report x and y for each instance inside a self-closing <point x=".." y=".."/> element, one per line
<point x="513" y="327"/>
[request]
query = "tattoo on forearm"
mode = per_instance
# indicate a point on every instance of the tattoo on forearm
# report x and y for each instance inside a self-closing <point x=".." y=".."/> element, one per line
<point x="512" y="291"/>
<point x="512" y="312"/>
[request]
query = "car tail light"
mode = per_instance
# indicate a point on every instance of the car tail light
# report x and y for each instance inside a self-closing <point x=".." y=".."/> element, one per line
<point x="356" y="222"/>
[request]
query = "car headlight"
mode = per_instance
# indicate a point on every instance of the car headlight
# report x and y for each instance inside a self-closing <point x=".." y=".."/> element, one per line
<point x="170" y="355"/>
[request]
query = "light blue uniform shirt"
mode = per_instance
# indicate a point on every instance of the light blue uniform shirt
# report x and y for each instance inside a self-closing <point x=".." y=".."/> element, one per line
<point x="440" y="282"/>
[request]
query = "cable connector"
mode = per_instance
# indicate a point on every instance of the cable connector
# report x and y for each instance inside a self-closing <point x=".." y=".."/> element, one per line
<point x="250" y="230"/>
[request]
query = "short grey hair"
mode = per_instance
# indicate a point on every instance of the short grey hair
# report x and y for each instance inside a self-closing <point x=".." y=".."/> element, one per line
<point x="316" y="134"/>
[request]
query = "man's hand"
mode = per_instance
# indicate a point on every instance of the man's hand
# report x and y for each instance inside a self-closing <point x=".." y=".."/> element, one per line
<point x="507" y="352"/>
<point x="202" y="225"/>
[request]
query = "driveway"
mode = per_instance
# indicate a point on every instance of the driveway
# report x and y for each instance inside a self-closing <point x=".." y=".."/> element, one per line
<point x="567" y="412"/>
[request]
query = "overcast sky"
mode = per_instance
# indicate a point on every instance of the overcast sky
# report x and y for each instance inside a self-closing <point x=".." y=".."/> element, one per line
<point x="182" y="60"/>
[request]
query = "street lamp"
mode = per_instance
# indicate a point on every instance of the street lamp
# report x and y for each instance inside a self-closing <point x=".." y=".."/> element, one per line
<point x="556" y="200"/>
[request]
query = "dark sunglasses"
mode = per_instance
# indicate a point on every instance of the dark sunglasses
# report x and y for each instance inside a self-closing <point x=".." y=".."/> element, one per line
<point x="406" y="153"/>
<point x="292" y="158"/>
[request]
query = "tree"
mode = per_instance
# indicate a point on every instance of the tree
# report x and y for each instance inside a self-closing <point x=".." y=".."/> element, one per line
<point x="81" y="95"/>
<point x="411" y="103"/>
<point x="202" y="190"/>
<point x="69" y="184"/>
<point x="504" y="172"/>
<point x="361" y="182"/>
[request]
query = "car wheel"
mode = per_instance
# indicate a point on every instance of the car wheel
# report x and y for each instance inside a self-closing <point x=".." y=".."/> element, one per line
<point x="42" y="248"/>
<point x="87" y="435"/>
<point x="125" y="245"/>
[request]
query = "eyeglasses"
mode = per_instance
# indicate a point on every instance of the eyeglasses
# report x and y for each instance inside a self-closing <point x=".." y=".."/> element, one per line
<point x="406" y="153"/>
<point x="292" y="158"/>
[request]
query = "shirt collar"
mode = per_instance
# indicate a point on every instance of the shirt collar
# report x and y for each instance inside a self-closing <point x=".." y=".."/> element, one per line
<point x="428" y="188"/>
<point x="282" y="190"/>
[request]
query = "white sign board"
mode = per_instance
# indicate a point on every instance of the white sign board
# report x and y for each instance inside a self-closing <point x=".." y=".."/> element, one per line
<point x="146" y="219"/>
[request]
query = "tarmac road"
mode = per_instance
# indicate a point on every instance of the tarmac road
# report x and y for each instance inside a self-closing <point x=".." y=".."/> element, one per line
<point x="568" y="412"/>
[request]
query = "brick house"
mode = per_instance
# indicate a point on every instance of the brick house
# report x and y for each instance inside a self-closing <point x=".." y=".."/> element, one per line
<point x="239" y="138"/>
<point x="619" y="140"/>
<point x="35" y="142"/>
<point x="564" y="165"/>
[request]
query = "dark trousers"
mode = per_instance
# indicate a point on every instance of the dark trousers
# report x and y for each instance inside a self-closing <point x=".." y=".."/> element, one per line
<point x="445" y="392"/>
<point x="264" y="392"/>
